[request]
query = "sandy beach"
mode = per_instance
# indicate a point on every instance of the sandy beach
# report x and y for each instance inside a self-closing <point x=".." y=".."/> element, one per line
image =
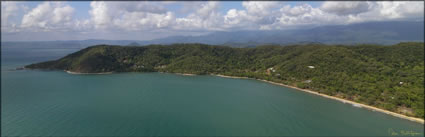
<point x="185" y="74"/>
<point x="355" y="104"/>
<point x="70" y="72"/>
<point x="224" y="76"/>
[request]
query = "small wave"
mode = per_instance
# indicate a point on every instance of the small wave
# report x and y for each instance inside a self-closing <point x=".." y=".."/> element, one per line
<point x="357" y="105"/>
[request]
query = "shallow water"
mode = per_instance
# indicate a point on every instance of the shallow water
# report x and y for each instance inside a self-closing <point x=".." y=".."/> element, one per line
<point x="55" y="103"/>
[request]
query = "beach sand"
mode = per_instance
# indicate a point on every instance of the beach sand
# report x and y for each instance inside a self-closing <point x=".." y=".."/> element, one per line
<point x="185" y="74"/>
<point x="339" y="99"/>
<point x="70" y="72"/>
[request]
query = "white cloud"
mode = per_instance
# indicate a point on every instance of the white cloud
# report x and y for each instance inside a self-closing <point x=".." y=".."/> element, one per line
<point x="190" y="7"/>
<point x="100" y="14"/>
<point x="207" y="9"/>
<point x="386" y="11"/>
<point x="8" y="9"/>
<point x="47" y="16"/>
<point x="306" y="14"/>
<point x="234" y="17"/>
<point x="261" y="13"/>
<point x="142" y="6"/>
<point x="401" y="9"/>
<point x="83" y="26"/>
<point x="129" y="15"/>
<point x="146" y="16"/>
<point x="264" y="16"/>
<point x="206" y="17"/>
<point x="143" y="21"/>
<point x="9" y="14"/>
<point x="346" y="7"/>
<point x="62" y="14"/>
<point x="260" y="8"/>
<point x="297" y="10"/>
<point x="255" y="15"/>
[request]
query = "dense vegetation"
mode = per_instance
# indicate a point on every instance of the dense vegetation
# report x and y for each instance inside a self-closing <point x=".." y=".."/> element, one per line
<point x="388" y="77"/>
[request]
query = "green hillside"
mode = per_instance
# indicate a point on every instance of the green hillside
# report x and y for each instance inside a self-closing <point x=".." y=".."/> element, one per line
<point x="388" y="77"/>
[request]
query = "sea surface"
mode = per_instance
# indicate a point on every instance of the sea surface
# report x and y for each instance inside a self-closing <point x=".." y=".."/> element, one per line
<point x="55" y="103"/>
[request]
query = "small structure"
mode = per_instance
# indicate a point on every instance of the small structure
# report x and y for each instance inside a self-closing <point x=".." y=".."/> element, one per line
<point x="401" y="83"/>
<point x="269" y="70"/>
<point x="312" y="67"/>
<point x="307" y="81"/>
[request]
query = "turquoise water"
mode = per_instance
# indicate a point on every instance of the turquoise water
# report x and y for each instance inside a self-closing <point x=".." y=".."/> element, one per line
<point x="55" y="103"/>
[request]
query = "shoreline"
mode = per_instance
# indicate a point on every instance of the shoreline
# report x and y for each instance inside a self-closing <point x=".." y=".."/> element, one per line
<point x="355" y="104"/>
<point x="78" y="73"/>
<point x="185" y="74"/>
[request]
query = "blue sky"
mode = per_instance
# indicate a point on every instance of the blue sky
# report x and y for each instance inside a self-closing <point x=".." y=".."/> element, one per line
<point x="28" y="21"/>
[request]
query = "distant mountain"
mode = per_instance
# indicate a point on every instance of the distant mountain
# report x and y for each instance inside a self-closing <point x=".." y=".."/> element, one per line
<point x="79" y="44"/>
<point x="385" y="33"/>
<point x="134" y="44"/>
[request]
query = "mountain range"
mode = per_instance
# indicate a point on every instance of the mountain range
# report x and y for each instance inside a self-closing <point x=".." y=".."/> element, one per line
<point x="383" y="33"/>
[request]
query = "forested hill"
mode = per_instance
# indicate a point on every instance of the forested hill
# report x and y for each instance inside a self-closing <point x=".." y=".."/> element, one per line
<point x="389" y="77"/>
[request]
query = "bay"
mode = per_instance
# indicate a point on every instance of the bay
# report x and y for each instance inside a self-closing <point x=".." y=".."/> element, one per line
<point x="55" y="103"/>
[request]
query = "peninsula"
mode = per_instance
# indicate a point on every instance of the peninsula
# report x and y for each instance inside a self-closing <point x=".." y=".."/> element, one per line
<point x="386" y="77"/>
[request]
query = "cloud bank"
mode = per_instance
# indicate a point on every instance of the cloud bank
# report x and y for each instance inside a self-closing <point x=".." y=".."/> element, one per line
<point x="203" y="16"/>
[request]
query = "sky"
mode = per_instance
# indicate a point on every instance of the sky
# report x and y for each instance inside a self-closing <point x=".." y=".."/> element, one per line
<point x="144" y="20"/>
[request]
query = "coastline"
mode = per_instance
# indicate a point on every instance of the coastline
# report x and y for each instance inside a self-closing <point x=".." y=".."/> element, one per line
<point x="78" y="73"/>
<point x="185" y="74"/>
<point x="355" y="104"/>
